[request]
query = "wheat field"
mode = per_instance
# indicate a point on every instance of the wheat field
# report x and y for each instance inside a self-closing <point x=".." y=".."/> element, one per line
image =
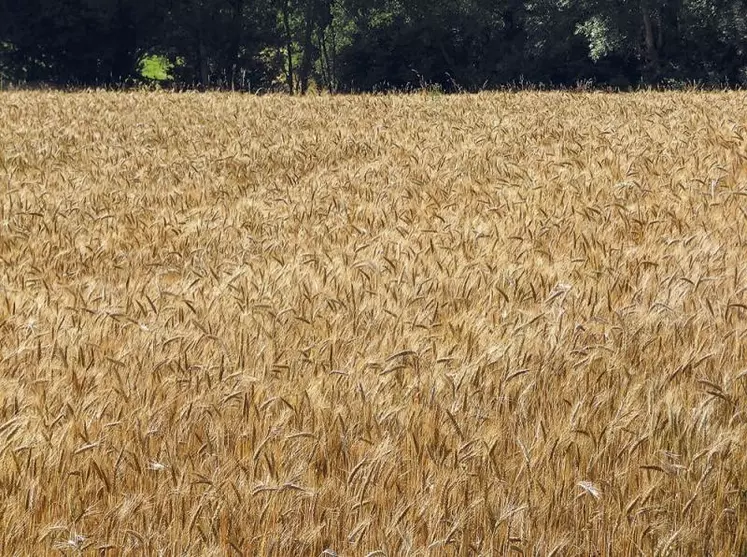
<point x="497" y="324"/>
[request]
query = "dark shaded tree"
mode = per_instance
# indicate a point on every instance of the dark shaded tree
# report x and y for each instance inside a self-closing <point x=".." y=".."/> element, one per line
<point x="367" y="45"/>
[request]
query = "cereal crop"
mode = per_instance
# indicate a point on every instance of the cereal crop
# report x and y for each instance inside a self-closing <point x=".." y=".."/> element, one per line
<point x="493" y="324"/>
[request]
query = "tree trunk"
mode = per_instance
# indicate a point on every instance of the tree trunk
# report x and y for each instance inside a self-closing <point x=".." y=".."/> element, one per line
<point x="124" y="60"/>
<point x="333" y="57"/>
<point x="307" y="46"/>
<point x="236" y="33"/>
<point x="202" y="59"/>
<point x="326" y="68"/>
<point x="203" y="63"/>
<point x="652" y="54"/>
<point x="288" y="45"/>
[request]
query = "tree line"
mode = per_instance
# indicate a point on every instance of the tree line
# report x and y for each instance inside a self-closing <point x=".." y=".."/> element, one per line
<point x="373" y="45"/>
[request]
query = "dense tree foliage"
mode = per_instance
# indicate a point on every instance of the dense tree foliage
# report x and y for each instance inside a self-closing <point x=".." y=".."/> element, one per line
<point x="364" y="45"/>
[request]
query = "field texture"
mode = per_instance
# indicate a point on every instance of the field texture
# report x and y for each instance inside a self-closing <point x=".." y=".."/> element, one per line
<point x="503" y="324"/>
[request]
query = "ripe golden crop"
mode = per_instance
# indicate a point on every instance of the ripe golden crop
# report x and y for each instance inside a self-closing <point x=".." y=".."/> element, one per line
<point x="499" y="324"/>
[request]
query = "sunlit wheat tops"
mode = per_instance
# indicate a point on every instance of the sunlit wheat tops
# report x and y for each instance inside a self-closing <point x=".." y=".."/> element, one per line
<point x="503" y="324"/>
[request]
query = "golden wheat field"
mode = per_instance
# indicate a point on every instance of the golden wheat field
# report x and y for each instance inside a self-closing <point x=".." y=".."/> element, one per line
<point x="499" y="324"/>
